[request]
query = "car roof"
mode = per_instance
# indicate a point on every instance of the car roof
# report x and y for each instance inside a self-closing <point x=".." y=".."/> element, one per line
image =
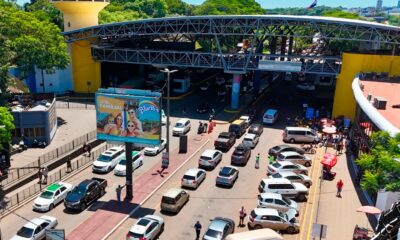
<point x="249" y="135"/>
<point x="218" y="224"/>
<point x="54" y="187"/>
<point x="285" y="163"/>
<point x="290" y="153"/>
<point x="271" y="195"/>
<point x="209" y="153"/>
<point x="182" y="120"/>
<point x="298" y="128"/>
<point x="287" y="174"/>
<point x="34" y="223"/>
<point x="117" y="148"/>
<point x="266" y="211"/>
<point x="270" y="111"/>
<point x="172" y="192"/>
<point x="255" y="125"/>
<point x="193" y="171"/>
<point x="134" y="153"/>
<point x="238" y="121"/>
<point x="275" y="180"/>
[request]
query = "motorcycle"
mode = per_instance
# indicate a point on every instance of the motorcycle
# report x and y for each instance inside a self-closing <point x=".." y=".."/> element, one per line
<point x="308" y="149"/>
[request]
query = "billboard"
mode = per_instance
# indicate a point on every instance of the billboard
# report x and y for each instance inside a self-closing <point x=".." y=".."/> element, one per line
<point x="129" y="118"/>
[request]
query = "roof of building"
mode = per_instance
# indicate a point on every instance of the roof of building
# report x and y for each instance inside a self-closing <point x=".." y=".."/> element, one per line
<point x="390" y="92"/>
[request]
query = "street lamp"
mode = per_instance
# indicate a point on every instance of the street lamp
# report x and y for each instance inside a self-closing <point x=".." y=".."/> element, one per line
<point x="166" y="70"/>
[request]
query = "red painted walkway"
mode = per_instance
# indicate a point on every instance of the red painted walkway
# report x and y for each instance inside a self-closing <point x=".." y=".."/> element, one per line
<point x="112" y="212"/>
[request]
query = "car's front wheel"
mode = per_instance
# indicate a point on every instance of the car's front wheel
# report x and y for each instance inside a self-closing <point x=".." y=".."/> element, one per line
<point x="256" y="227"/>
<point x="290" y="230"/>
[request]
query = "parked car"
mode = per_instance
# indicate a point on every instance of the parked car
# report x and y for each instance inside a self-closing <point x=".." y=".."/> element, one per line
<point x="193" y="178"/>
<point x="203" y="108"/>
<point x="137" y="161"/>
<point x="300" y="134"/>
<point x="283" y="166"/>
<point x="247" y="119"/>
<point x="51" y="196"/>
<point x="225" y="141"/>
<point x="241" y="155"/>
<point x="227" y="176"/>
<point x="174" y="199"/>
<point x="152" y="151"/>
<point x="294" y="177"/>
<point x="85" y="193"/>
<point x="210" y="158"/>
<point x="274" y="151"/>
<point x="108" y="160"/>
<point x="276" y="201"/>
<point x="294" y="157"/>
<point x="36" y="228"/>
<point x="148" y="227"/>
<point x="251" y="140"/>
<point x="285" y="187"/>
<point x="306" y="86"/>
<point x="256" y="128"/>
<point x="271" y="218"/>
<point x="219" y="228"/>
<point x="181" y="127"/>
<point x="204" y="86"/>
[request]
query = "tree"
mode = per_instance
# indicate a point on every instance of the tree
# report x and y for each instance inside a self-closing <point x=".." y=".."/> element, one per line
<point x="228" y="7"/>
<point x="178" y="7"/>
<point x="45" y="11"/>
<point x="381" y="170"/>
<point x="26" y="42"/>
<point x="6" y="126"/>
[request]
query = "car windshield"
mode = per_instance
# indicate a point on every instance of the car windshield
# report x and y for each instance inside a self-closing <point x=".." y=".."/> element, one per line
<point x="276" y="165"/>
<point x="248" y="139"/>
<point x="122" y="162"/>
<point x="143" y="222"/>
<point x="276" y="148"/>
<point x="47" y="195"/>
<point x="25" y="232"/>
<point x="267" y="116"/>
<point x="286" y="200"/>
<point x="225" y="172"/>
<point x="205" y="158"/>
<point x="179" y="125"/>
<point x="79" y="190"/>
<point x="168" y="200"/>
<point x="187" y="177"/>
<point x="276" y="175"/>
<point x="213" y="233"/>
<point x="104" y="158"/>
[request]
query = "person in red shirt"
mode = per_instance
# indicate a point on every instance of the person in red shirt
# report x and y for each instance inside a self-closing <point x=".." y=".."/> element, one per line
<point x="339" y="187"/>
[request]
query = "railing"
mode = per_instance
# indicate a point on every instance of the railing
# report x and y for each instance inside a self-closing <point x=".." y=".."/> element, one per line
<point x="68" y="104"/>
<point x="16" y="174"/>
<point x="17" y="198"/>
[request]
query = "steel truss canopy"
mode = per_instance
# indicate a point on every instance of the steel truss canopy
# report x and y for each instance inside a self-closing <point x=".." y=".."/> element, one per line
<point x="244" y="25"/>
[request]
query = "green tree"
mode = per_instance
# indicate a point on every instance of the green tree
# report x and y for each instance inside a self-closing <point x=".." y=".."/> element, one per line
<point x="26" y="42"/>
<point x="45" y="11"/>
<point x="340" y="14"/>
<point x="178" y="7"/>
<point x="381" y="170"/>
<point x="6" y="126"/>
<point x="228" y="7"/>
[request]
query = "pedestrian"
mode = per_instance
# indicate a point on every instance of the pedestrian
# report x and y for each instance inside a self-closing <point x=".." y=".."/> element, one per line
<point x="119" y="190"/>
<point x="89" y="150"/>
<point x="45" y="172"/>
<point x="183" y="111"/>
<point x="69" y="167"/>
<point x="258" y="161"/>
<point x="40" y="174"/>
<point x="197" y="227"/>
<point x="339" y="187"/>
<point x="242" y="215"/>
<point x="340" y="146"/>
<point x="271" y="159"/>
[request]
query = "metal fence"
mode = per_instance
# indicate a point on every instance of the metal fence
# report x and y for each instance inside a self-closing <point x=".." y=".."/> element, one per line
<point x="67" y="104"/>
<point x="19" y="173"/>
<point x="15" y="199"/>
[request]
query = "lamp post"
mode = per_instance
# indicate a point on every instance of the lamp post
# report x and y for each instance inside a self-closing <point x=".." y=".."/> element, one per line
<point x="166" y="70"/>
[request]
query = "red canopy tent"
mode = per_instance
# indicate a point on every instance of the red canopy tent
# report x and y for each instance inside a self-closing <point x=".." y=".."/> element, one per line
<point x="329" y="160"/>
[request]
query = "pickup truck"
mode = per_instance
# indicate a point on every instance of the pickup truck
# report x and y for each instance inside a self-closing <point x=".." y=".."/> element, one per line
<point x="225" y="141"/>
<point x="85" y="193"/>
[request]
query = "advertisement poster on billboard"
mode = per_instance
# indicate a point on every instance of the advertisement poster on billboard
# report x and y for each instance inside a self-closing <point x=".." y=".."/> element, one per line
<point x="128" y="118"/>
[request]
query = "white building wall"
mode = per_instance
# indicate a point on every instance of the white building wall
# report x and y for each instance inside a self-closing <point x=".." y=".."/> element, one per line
<point x="385" y="199"/>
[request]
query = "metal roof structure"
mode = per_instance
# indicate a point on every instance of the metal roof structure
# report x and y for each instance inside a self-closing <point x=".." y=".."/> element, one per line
<point x="255" y="27"/>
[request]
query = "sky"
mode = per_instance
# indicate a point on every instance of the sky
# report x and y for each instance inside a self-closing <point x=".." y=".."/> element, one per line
<point x="302" y="3"/>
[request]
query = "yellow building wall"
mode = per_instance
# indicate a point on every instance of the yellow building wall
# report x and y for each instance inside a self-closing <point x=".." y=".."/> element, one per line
<point x="352" y="64"/>
<point x="84" y="68"/>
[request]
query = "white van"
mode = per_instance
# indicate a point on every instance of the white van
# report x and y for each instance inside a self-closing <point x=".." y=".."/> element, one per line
<point x="261" y="234"/>
<point x="300" y="134"/>
<point x="270" y="116"/>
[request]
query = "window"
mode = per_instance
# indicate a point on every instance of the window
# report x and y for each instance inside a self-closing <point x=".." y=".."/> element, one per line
<point x="37" y="230"/>
<point x="44" y="225"/>
<point x="268" y="200"/>
<point x="63" y="189"/>
<point x="16" y="132"/>
<point x="39" y="132"/>
<point x="279" y="202"/>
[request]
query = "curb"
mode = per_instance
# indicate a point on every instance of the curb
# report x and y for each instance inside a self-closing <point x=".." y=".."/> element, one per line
<point x="151" y="194"/>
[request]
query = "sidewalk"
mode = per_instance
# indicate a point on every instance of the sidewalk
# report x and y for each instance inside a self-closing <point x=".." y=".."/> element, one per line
<point x="113" y="212"/>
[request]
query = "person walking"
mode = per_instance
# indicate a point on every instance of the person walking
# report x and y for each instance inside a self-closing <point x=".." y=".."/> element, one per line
<point x="69" y="166"/>
<point x="257" y="161"/>
<point x="242" y="215"/>
<point x="119" y="190"/>
<point x="89" y="150"/>
<point x="40" y="175"/>
<point x="340" y="146"/>
<point x="339" y="187"/>
<point x="271" y="159"/>
<point x="197" y="227"/>
<point x="45" y="172"/>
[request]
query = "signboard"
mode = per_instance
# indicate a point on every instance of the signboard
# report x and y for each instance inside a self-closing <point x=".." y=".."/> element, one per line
<point x="319" y="230"/>
<point x="129" y="118"/>
<point x="55" y="234"/>
<point x="271" y="65"/>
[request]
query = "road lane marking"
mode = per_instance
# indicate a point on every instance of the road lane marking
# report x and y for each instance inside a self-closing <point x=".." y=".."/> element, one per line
<point x="151" y="194"/>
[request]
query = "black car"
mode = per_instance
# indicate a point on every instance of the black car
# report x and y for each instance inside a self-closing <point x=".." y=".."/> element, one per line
<point x="203" y="108"/>
<point x="85" y="193"/>
<point x="256" y="129"/>
<point x="274" y="151"/>
<point x="241" y="155"/>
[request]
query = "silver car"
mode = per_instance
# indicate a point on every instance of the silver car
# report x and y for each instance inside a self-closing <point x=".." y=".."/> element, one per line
<point x="251" y="140"/>
<point x="193" y="178"/>
<point x="294" y="157"/>
<point x="271" y="218"/>
<point x="148" y="227"/>
<point x="210" y="158"/>
<point x="284" y="166"/>
<point x="294" y="177"/>
<point x="276" y="201"/>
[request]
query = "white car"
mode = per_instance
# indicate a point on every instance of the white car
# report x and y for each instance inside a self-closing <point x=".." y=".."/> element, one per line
<point x="152" y="151"/>
<point x="251" y="140"/>
<point x="137" y="161"/>
<point x="204" y="86"/>
<point x="163" y="117"/>
<point x="148" y="227"/>
<point x="210" y="158"/>
<point x="36" y="228"/>
<point x="306" y="86"/>
<point x="283" y="166"/>
<point x="246" y="119"/>
<point x="181" y="127"/>
<point x="108" y="160"/>
<point x="51" y="196"/>
<point x="294" y="157"/>
<point x="193" y="177"/>
<point x="294" y="177"/>
<point x="227" y="176"/>
<point x="219" y="81"/>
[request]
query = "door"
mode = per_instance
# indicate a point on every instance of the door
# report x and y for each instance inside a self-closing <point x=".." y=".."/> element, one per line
<point x="57" y="196"/>
<point x="281" y="205"/>
<point x="276" y="221"/>
<point x="152" y="231"/>
<point x="64" y="193"/>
